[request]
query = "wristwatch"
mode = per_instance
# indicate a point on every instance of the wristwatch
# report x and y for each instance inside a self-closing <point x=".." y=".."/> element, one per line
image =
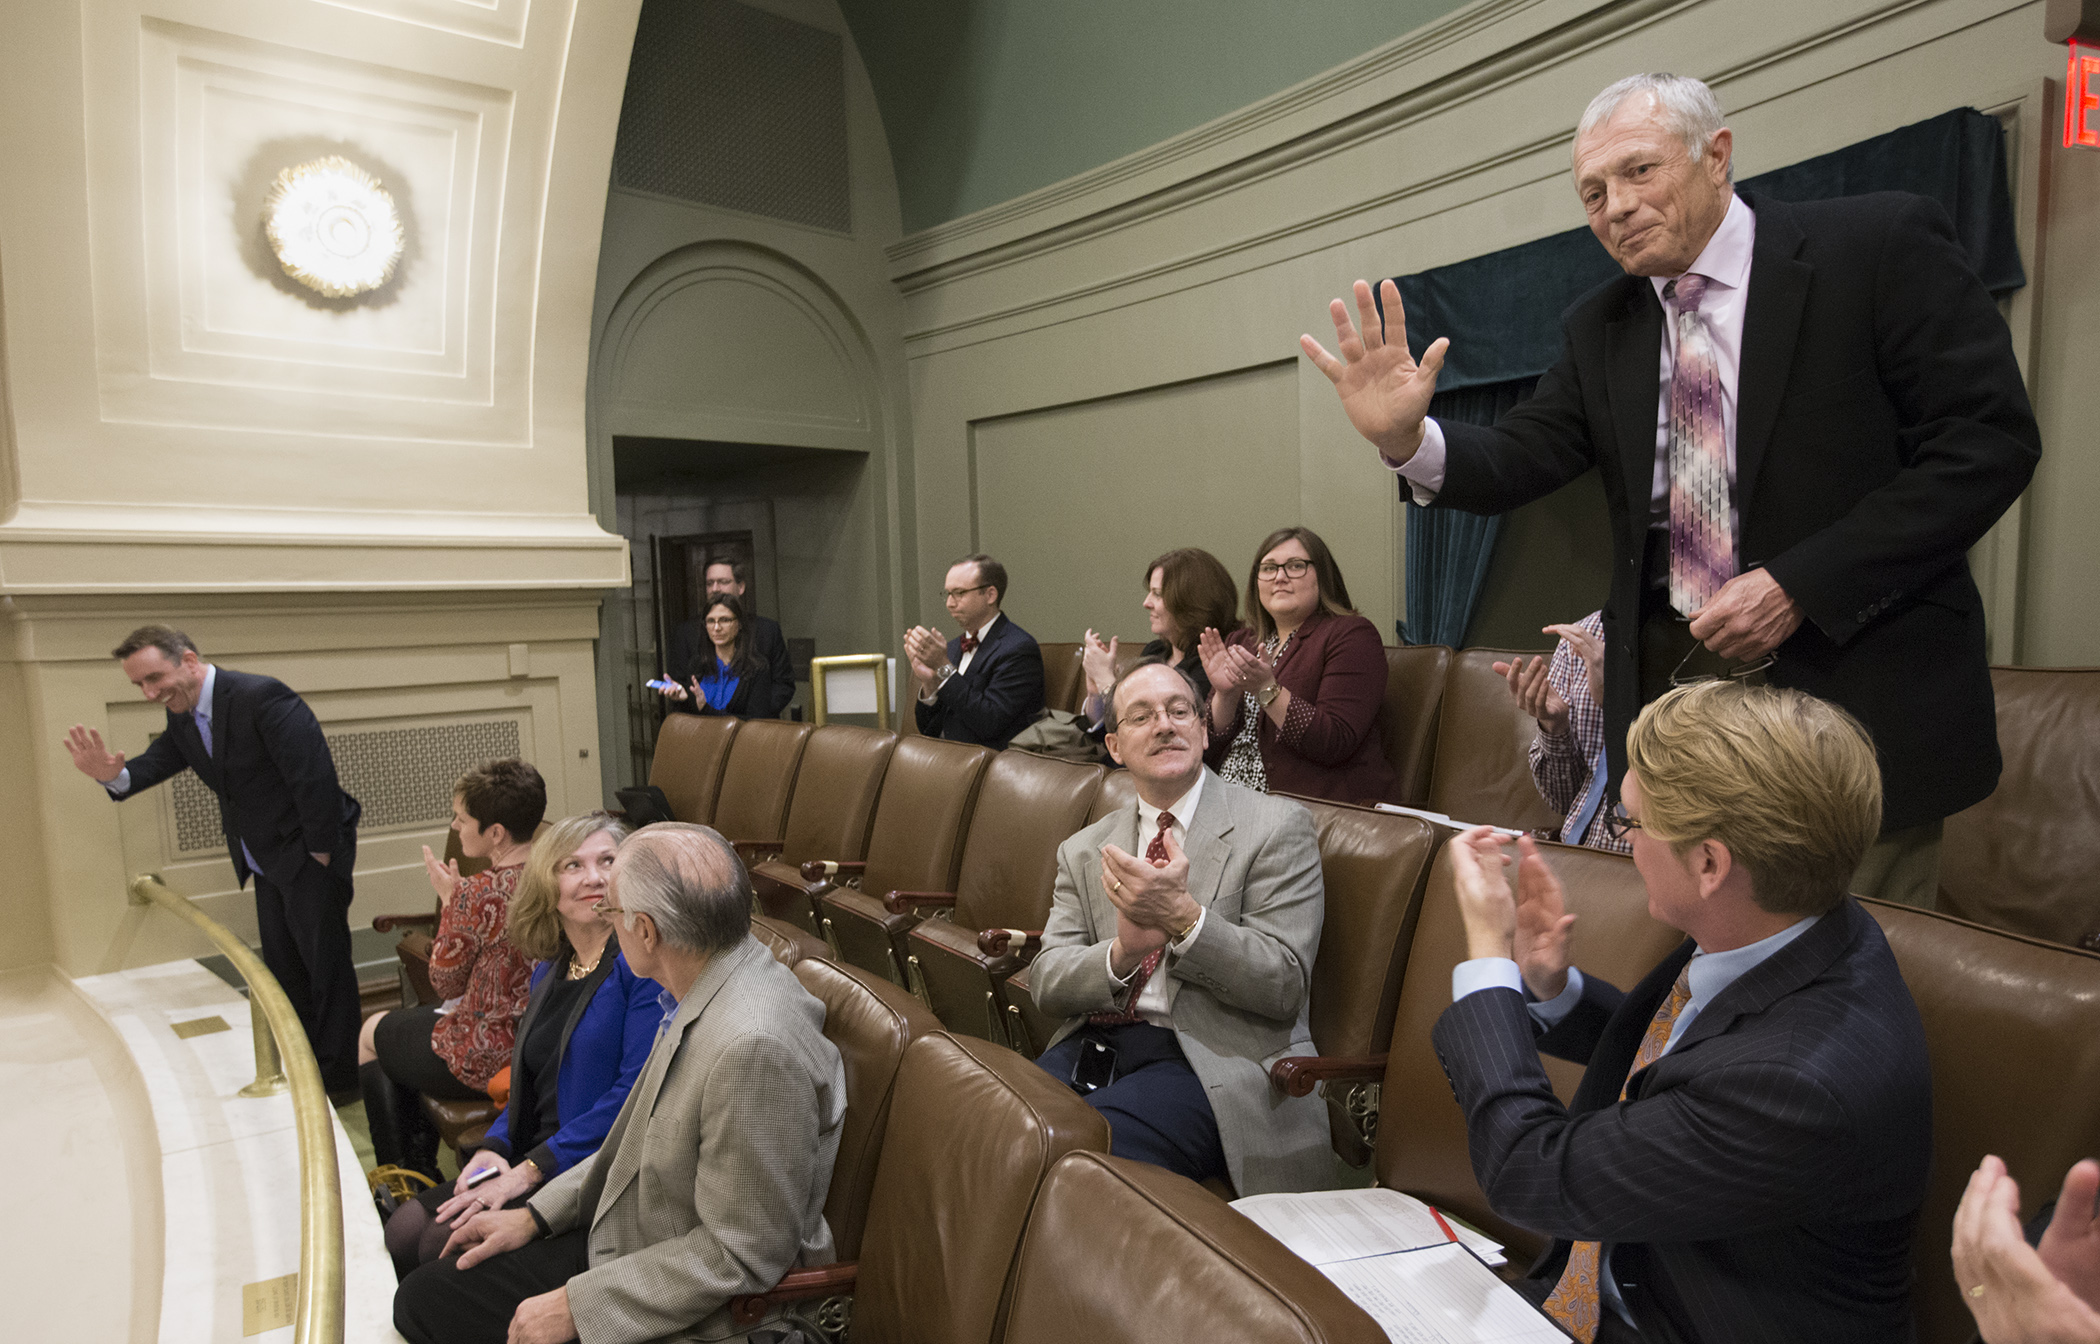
<point x="1266" y="696"/>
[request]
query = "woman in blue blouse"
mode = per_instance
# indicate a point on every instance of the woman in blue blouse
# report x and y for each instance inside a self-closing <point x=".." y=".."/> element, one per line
<point x="588" y="1026"/>
<point x="731" y="677"/>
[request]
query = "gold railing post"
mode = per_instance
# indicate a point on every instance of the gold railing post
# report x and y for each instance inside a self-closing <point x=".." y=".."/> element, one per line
<point x="283" y="1059"/>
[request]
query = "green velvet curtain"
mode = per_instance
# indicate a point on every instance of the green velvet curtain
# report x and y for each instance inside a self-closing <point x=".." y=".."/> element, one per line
<point x="1502" y="312"/>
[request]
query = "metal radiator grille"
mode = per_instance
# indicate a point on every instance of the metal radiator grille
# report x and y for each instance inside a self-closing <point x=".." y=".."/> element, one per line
<point x="400" y="775"/>
<point x="731" y="106"/>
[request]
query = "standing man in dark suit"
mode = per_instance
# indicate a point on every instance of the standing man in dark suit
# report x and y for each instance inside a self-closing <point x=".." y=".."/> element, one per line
<point x="1797" y="460"/>
<point x="1746" y="1155"/>
<point x="256" y="745"/>
<point x="690" y="648"/>
<point x="987" y="685"/>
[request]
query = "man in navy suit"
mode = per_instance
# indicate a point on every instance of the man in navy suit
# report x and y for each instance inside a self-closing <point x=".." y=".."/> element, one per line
<point x="1797" y="495"/>
<point x="987" y="685"/>
<point x="1746" y="1155"/>
<point x="288" y="822"/>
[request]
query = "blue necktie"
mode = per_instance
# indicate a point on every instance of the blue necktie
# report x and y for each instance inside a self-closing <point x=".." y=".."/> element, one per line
<point x="203" y="722"/>
<point x="1579" y="823"/>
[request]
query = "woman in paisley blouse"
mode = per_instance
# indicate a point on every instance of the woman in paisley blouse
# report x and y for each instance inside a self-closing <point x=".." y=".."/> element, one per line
<point x="451" y="1052"/>
<point x="1296" y="696"/>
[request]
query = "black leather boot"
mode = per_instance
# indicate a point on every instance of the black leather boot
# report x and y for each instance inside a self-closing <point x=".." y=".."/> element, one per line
<point x="382" y="1107"/>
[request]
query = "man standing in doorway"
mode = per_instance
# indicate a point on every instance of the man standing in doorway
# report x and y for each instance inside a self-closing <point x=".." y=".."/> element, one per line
<point x="1804" y="415"/>
<point x="689" y="642"/>
<point x="288" y="823"/>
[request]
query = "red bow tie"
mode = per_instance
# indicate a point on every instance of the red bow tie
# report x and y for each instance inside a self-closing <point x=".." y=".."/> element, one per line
<point x="969" y="642"/>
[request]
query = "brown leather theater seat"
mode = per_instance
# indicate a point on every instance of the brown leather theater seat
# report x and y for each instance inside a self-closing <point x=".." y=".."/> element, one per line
<point x="915" y="844"/>
<point x="758" y="780"/>
<point x="787" y="943"/>
<point x="1118" y="790"/>
<point x="1414" y="696"/>
<point x="836" y="786"/>
<point x="1026" y="808"/>
<point x="1483" y="742"/>
<point x="2024" y="859"/>
<point x="1374" y="866"/>
<point x="691" y="750"/>
<point x="950" y="1200"/>
<point x="1422" y="1133"/>
<point x="2013" y="1028"/>
<point x="871" y="1022"/>
<point x="1115" y="1250"/>
<point x="1064" y="672"/>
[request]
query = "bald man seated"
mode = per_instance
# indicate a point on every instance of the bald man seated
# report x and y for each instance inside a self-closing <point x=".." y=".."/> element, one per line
<point x="712" y="1181"/>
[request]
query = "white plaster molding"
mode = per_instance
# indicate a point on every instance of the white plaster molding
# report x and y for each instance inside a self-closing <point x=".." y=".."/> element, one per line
<point x="490" y="20"/>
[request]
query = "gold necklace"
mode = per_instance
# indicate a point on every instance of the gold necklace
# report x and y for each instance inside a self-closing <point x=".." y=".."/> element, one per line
<point x="579" y="971"/>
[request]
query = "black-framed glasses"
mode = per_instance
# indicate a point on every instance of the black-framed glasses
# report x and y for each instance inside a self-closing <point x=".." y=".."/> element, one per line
<point x="1297" y="569"/>
<point x="1617" y="824"/>
<point x="952" y="594"/>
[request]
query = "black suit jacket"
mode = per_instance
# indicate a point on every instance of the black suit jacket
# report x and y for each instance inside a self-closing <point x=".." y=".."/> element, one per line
<point x="1881" y="428"/>
<point x="691" y="648"/>
<point x="1001" y="694"/>
<point x="272" y="772"/>
<point x="1762" y="1180"/>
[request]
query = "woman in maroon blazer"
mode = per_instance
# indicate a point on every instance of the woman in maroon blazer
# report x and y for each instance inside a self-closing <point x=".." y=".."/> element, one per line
<point x="1296" y="695"/>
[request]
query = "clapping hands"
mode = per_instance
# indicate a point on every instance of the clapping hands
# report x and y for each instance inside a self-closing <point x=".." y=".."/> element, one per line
<point x="1531" y="927"/>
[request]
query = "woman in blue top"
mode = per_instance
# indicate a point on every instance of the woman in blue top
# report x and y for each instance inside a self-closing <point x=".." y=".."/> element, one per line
<point x="588" y="1026"/>
<point x="731" y="677"/>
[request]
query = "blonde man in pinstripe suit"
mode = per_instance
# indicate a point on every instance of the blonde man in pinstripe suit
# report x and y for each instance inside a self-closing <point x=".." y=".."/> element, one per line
<point x="1745" y="1157"/>
<point x="712" y="1181"/>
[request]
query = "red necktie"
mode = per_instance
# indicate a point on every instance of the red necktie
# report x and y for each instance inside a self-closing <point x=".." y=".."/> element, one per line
<point x="1575" y="1301"/>
<point x="969" y="642"/>
<point x="1156" y="853"/>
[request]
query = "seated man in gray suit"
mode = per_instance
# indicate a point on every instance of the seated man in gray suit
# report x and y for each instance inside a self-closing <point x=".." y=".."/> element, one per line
<point x="712" y="1181"/>
<point x="1181" y="948"/>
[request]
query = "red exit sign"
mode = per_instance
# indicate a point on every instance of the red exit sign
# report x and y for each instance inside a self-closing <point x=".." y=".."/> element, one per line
<point x="2082" y="97"/>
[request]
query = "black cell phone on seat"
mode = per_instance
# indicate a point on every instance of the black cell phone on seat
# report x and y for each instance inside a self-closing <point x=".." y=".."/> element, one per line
<point x="1095" y="1068"/>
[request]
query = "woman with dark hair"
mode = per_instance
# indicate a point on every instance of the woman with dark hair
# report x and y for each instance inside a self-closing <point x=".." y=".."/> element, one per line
<point x="731" y="678"/>
<point x="451" y="1051"/>
<point x="1296" y="695"/>
<point x="1187" y="591"/>
<point x="582" y="1042"/>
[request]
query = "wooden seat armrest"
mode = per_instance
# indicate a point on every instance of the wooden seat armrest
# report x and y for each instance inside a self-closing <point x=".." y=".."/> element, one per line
<point x="388" y="923"/>
<point x="1000" y="942"/>
<point x="830" y="870"/>
<point x="1298" y="1075"/>
<point x="819" y="1281"/>
<point x="905" y="902"/>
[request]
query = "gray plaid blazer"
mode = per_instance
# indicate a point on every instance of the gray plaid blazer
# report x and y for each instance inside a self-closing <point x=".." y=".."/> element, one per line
<point x="712" y="1181"/>
<point x="1240" y="992"/>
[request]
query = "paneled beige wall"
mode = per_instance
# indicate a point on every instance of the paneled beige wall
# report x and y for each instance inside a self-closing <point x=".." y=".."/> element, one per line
<point x="1076" y="500"/>
<point x="1158" y="279"/>
<point x="382" y="500"/>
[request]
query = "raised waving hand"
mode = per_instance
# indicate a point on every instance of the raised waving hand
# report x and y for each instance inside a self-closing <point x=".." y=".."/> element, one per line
<point x="1383" y="390"/>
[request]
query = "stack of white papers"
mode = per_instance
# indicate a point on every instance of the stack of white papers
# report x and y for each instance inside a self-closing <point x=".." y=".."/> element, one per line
<point x="1390" y="1253"/>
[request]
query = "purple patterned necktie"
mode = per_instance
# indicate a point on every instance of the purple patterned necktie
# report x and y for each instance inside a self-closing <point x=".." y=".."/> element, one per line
<point x="1702" y="541"/>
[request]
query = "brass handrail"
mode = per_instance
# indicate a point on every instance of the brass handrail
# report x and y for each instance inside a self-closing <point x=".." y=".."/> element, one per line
<point x="318" y="1317"/>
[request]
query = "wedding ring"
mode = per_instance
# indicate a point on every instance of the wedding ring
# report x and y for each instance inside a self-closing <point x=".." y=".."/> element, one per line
<point x="1977" y="1291"/>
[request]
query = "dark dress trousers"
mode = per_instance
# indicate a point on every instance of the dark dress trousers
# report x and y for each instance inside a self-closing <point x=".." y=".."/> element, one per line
<point x="1762" y="1180"/>
<point x="691" y="649"/>
<point x="1881" y="429"/>
<point x="1000" y="694"/>
<point x="277" y="790"/>
<point x="1328" y="746"/>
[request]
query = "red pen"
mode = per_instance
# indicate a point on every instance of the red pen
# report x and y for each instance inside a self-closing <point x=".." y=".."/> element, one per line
<point x="1441" y="1223"/>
